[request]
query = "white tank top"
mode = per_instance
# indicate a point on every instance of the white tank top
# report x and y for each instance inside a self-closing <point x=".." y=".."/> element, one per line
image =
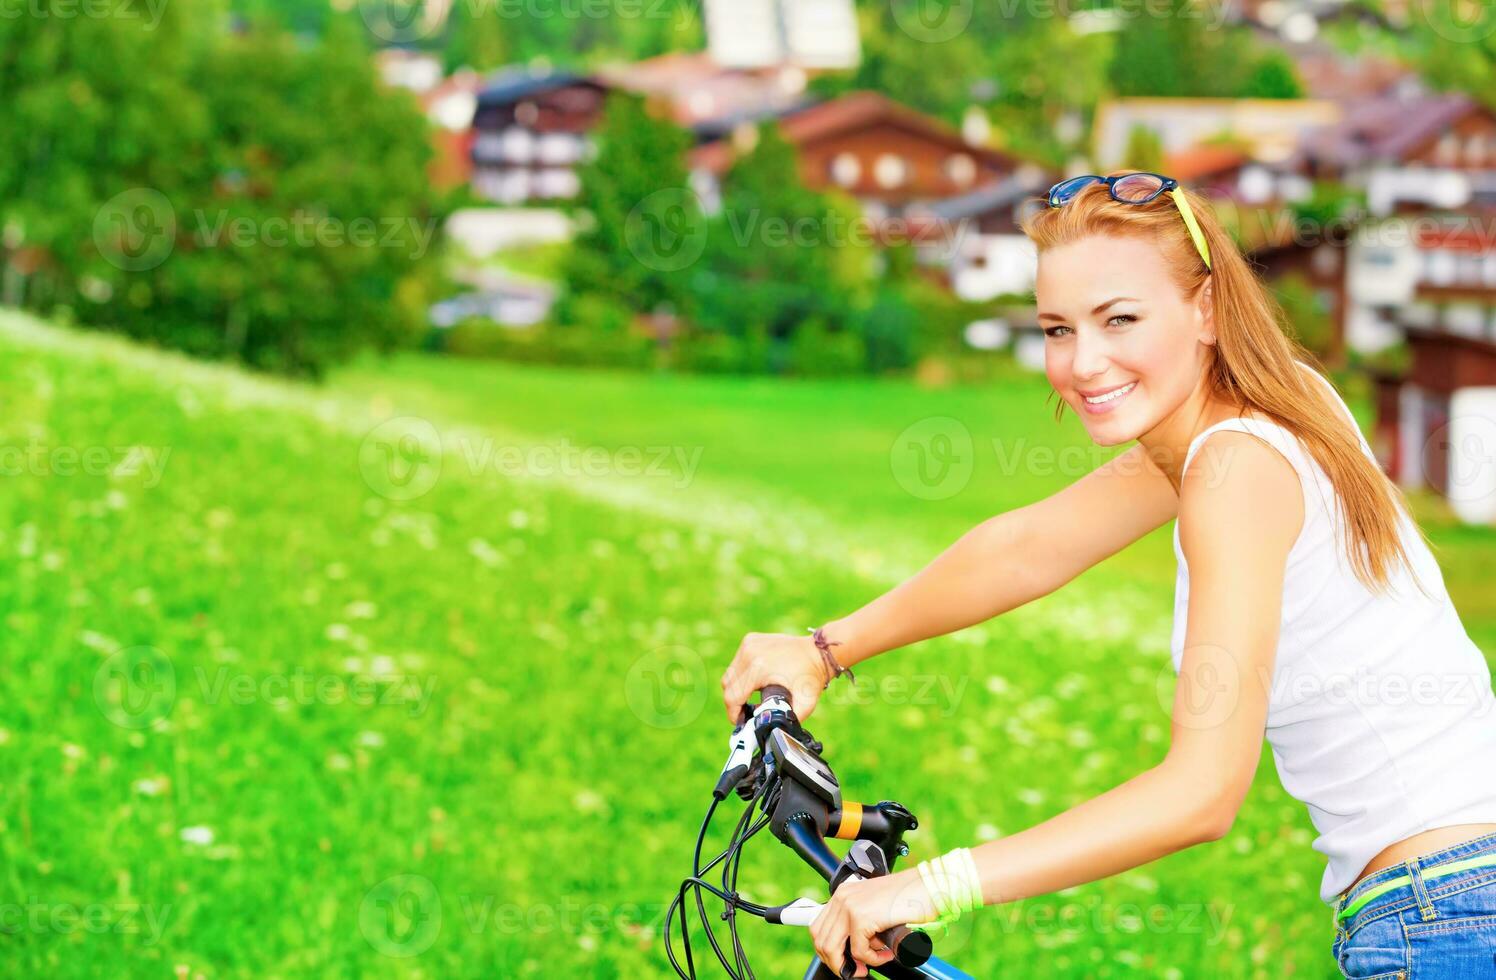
<point x="1381" y="717"/>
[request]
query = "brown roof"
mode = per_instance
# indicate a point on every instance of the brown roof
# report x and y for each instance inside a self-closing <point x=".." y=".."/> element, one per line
<point x="849" y="113"/>
<point x="1204" y="160"/>
<point x="661" y="74"/>
<point x="1389" y="127"/>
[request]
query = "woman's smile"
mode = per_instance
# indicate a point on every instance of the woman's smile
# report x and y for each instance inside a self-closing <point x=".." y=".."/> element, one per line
<point x="1107" y="399"/>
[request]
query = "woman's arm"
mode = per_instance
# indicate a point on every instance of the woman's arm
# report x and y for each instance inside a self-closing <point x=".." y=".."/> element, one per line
<point x="1014" y="558"/>
<point x="998" y="565"/>
<point x="1236" y="534"/>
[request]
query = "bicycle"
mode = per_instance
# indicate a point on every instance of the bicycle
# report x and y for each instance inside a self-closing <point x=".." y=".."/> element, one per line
<point x="777" y="766"/>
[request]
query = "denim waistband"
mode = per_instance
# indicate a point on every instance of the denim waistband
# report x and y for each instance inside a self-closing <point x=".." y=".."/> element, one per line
<point x="1470" y="848"/>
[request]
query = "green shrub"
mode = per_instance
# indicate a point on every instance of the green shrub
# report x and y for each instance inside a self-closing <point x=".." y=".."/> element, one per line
<point x="547" y="344"/>
<point x="815" y="351"/>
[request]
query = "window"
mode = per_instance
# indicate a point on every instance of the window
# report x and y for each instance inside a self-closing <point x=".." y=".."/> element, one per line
<point x="846" y="169"/>
<point x="961" y="169"/>
<point x="891" y="171"/>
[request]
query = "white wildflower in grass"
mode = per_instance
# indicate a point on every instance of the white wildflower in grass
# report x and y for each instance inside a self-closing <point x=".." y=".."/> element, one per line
<point x="71" y="751"/>
<point x="151" y="785"/>
<point x="115" y="500"/>
<point x="371" y="740"/>
<point x="1070" y="685"/>
<point x="998" y="685"/>
<point x="519" y="520"/>
<point x="484" y="552"/>
<point x="1031" y="797"/>
<point x="987" y="831"/>
<point x="1079" y="738"/>
<point x="337" y="632"/>
<point x="361" y="610"/>
<point x="98" y="641"/>
<point x="338" y="762"/>
<point x="589" y="801"/>
<point x="199" y="835"/>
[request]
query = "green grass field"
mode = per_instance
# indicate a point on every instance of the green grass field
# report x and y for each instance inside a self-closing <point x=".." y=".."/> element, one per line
<point x="414" y="674"/>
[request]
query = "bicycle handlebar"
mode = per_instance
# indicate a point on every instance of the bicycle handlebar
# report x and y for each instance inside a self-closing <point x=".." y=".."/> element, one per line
<point x="910" y="947"/>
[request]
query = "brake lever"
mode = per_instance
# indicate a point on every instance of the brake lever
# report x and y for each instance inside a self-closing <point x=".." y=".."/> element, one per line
<point x="741" y="744"/>
<point x="864" y="860"/>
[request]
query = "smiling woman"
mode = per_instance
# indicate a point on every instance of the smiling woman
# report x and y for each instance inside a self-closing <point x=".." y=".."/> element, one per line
<point x="1300" y="574"/>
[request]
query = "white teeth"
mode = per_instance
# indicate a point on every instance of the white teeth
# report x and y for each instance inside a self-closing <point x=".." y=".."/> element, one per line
<point x="1111" y="395"/>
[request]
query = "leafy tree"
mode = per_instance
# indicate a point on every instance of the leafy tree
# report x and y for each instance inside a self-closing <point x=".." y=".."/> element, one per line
<point x="1273" y="77"/>
<point x="776" y="255"/>
<point x="636" y="211"/>
<point x="1175" y="50"/>
<point x="232" y="195"/>
<point x="1145" y="151"/>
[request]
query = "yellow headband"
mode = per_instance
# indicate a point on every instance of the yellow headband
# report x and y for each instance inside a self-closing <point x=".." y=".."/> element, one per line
<point x="1189" y="219"/>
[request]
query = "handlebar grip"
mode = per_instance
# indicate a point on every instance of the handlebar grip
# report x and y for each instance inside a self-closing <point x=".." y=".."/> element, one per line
<point x="774" y="691"/>
<point x="911" y="949"/>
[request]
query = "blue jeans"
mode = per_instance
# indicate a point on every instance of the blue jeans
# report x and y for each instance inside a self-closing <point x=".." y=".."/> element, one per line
<point x="1442" y="928"/>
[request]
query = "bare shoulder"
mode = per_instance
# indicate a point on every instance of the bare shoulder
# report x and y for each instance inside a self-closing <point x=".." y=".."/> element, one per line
<point x="1239" y="492"/>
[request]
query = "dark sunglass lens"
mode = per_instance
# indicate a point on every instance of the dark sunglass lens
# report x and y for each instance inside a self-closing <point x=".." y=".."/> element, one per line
<point x="1062" y="192"/>
<point x="1137" y="188"/>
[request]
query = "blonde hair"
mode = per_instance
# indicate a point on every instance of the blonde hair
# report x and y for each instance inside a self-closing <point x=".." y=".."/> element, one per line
<point x="1252" y="361"/>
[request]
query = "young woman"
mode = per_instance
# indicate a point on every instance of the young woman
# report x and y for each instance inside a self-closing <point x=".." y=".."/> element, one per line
<point x="1308" y="607"/>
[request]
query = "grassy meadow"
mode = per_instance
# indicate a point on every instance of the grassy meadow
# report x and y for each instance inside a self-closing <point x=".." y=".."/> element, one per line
<point x="414" y="673"/>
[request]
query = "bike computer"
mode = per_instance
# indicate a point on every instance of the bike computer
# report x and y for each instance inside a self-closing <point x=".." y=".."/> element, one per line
<point x="805" y="767"/>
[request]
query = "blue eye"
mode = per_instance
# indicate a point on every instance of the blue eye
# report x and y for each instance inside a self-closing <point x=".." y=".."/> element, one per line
<point x="1126" y="317"/>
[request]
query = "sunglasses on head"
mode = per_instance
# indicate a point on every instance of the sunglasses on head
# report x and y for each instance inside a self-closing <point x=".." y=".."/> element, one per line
<point x="1134" y="188"/>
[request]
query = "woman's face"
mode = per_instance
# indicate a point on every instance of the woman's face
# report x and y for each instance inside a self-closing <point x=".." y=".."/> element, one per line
<point x="1122" y="346"/>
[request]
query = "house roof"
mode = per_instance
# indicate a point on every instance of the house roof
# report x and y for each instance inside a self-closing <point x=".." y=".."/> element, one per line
<point x="992" y="197"/>
<point x="1205" y="160"/>
<point x="701" y="93"/>
<point x="1269" y="129"/>
<point x="1389" y="127"/>
<point x="664" y="73"/>
<point x="848" y="113"/>
<point x="516" y="83"/>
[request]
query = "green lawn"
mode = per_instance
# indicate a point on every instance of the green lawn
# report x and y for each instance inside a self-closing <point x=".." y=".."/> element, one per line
<point x="412" y="674"/>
